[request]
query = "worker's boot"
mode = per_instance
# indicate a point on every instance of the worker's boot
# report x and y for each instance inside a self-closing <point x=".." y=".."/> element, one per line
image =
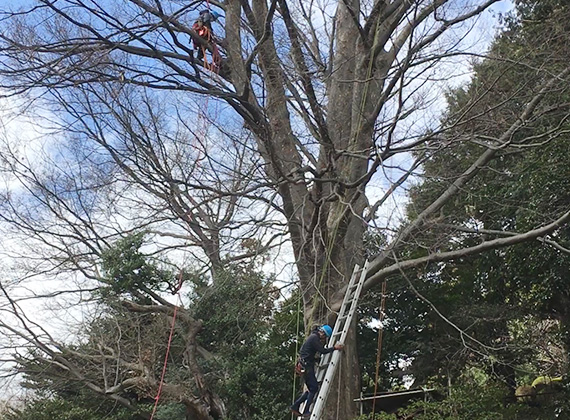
<point x="295" y="412"/>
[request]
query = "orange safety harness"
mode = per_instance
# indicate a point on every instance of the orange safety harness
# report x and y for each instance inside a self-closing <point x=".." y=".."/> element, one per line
<point x="204" y="32"/>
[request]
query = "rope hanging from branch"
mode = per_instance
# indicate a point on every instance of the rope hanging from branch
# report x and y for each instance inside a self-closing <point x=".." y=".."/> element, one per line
<point x="379" y="350"/>
<point x="161" y="383"/>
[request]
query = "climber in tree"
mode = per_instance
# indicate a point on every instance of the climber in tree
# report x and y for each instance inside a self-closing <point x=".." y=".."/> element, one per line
<point x="203" y="27"/>
<point x="309" y="349"/>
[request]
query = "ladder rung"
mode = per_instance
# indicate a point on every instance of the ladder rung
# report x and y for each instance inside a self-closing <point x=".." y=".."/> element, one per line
<point x="343" y="314"/>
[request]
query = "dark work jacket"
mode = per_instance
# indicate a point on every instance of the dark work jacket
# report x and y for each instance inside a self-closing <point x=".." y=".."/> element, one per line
<point x="310" y="348"/>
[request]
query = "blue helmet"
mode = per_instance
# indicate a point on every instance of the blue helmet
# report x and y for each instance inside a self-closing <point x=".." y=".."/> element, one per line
<point x="327" y="330"/>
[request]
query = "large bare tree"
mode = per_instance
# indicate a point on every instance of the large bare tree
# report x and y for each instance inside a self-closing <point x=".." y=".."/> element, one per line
<point x="329" y="96"/>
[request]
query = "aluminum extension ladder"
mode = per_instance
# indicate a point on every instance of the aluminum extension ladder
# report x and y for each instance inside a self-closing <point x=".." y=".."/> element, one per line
<point x="327" y="367"/>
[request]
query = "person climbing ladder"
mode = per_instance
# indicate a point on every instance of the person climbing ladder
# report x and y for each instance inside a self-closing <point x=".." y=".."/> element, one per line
<point x="309" y="349"/>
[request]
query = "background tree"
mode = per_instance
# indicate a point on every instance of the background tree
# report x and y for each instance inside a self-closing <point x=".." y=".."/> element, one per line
<point x="497" y="312"/>
<point x="121" y="352"/>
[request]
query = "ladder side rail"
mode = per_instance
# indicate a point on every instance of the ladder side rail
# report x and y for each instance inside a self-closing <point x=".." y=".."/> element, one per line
<point x="335" y="356"/>
<point x="347" y="298"/>
<point x="344" y="314"/>
<point x="322" y="396"/>
<point x="326" y="358"/>
<point x="325" y="386"/>
<point x="354" y="302"/>
<point x="322" y="366"/>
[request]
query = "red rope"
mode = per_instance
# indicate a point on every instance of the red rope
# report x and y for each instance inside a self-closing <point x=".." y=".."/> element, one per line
<point x="203" y="115"/>
<point x="157" y="398"/>
<point x="214" y="69"/>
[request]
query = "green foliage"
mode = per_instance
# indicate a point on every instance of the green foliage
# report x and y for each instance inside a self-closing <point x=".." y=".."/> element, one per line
<point x="258" y="385"/>
<point x="473" y="401"/>
<point x="253" y="341"/>
<point x="126" y="269"/>
<point x="67" y="409"/>
<point x="250" y="364"/>
<point x="243" y="301"/>
<point x="170" y="412"/>
<point x="524" y="187"/>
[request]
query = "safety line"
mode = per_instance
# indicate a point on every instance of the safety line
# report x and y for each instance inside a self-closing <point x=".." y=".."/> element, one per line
<point x="179" y="301"/>
<point x="379" y="351"/>
<point x="296" y="346"/>
<point x="213" y="67"/>
<point x="353" y="139"/>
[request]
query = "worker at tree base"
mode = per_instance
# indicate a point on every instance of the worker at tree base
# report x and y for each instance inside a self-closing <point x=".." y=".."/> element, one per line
<point x="309" y="349"/>
<point x="203" y="28"/>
